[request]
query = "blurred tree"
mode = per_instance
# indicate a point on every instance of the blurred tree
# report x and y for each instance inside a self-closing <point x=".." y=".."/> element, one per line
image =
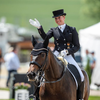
<point x="91" y="8"/>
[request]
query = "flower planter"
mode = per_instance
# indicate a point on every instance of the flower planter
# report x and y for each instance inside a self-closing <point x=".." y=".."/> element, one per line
<point x="21" y="94"/>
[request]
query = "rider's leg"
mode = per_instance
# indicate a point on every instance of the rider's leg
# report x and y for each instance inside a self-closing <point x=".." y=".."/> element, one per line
<point x="80" y="91"/>
<point x="71" y="60"/>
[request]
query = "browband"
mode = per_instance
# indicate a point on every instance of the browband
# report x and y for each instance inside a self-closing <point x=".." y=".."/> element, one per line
<point x="40" y="49"/>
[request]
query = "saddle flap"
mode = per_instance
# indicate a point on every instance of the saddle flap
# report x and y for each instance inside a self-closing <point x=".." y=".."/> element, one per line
<point x="75" y="72"/>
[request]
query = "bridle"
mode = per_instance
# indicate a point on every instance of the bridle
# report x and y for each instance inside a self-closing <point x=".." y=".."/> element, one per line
<point x="40" y="77"/>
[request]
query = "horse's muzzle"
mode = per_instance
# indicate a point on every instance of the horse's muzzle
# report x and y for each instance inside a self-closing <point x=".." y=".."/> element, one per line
<point x="31" y="75"/>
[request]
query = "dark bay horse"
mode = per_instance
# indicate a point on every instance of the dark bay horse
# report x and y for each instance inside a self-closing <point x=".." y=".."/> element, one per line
<point x="56" y="82"/>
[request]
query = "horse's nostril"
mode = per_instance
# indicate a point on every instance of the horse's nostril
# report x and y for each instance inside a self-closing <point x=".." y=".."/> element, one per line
<point x="31" y="75"/>
<point x="34" y="74"/>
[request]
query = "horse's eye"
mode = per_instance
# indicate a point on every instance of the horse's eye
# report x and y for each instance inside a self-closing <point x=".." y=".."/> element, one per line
<point x="42" y="54"/>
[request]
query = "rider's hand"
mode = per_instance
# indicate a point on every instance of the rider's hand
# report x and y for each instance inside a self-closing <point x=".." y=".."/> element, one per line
<point x="35" y="23"/>
<point x="64" y="53"/>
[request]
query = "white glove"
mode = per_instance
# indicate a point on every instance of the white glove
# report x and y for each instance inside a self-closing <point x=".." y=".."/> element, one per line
<point x="35" y="23"/>
<point x="63" y="53"/>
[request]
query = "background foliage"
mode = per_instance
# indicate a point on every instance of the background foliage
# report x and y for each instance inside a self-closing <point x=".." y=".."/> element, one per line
<point x="20" y="11"/>
<point x="91" y="8"/>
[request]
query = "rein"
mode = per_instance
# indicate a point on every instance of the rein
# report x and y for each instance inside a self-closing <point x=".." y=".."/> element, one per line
<point x="43" y="79"/>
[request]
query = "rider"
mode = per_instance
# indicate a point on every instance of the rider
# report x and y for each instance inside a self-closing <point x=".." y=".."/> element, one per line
<point x="65" y="39"/>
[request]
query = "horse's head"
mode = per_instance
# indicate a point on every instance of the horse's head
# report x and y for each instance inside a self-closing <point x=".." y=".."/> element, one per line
<point x="39" y="59"/>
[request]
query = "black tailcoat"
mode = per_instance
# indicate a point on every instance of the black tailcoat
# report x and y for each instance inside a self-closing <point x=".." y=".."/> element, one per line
<point x="68" y="39"/>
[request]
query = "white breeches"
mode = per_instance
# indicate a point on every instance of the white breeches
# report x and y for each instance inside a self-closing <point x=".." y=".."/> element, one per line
<point x="71" y="60"/>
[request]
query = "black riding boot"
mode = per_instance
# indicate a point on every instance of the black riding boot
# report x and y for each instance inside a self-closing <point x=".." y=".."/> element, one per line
<point x="80" y="91"/>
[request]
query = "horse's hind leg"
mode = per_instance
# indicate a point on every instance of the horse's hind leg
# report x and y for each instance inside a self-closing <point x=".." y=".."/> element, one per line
<point x="86" y="96"/>
<point x="86" y="91"/>
<point x="87" y="86"/>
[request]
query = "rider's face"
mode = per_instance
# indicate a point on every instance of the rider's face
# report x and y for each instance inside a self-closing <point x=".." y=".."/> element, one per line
<point x="60" y="20"/>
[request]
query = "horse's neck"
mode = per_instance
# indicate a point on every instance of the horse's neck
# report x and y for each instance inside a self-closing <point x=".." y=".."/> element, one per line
<point x="54" y="69"/>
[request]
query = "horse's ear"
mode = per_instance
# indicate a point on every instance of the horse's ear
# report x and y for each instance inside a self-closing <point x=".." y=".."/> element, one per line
<point x="34" y="42"/>
<point x="46" y="41"/>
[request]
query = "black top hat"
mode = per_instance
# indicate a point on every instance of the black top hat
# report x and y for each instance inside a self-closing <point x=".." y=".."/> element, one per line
<point x="57" y="13"/>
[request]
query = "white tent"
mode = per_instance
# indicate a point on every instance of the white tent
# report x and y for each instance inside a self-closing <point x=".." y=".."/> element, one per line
<point x="90" y="39"/>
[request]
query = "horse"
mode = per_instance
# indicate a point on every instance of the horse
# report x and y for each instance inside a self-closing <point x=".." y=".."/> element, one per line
<point x="56" y="82"/>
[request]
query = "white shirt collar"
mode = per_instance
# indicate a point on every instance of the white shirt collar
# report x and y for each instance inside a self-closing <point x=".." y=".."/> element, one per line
<point x="62" y="27"/>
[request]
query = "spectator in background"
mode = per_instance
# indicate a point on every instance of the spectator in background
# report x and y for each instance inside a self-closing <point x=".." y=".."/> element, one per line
<point x="12" y="62"/>
<point x="0" y="54"/>
<point x="0" y="60"/>
<point x="89" y="63"/>
<point x="92" y="61"/>
<point x="86" y="58"/>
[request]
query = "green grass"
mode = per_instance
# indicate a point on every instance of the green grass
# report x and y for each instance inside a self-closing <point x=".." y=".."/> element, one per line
<point x="20" y="11"/>
<point x="7" y="89"/>
<point x="94" y="98"/>
<point x="7" y="99"/>
<point x="90" y="98"/>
